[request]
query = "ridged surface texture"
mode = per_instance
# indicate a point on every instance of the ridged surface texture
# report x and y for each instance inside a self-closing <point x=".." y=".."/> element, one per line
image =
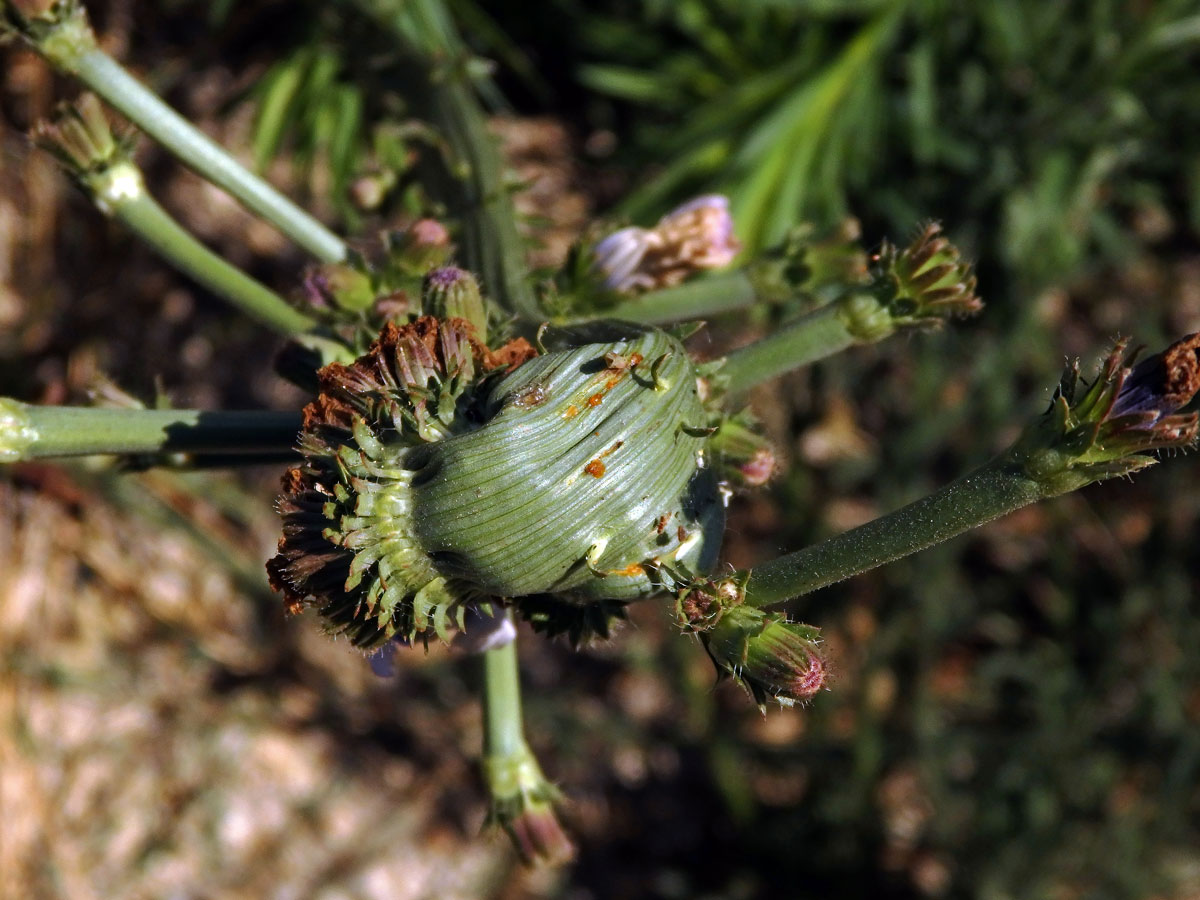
<point x="583" y="477"/>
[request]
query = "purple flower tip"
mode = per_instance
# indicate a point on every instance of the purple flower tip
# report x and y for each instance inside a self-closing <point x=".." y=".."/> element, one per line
<point x="446" y="276"/>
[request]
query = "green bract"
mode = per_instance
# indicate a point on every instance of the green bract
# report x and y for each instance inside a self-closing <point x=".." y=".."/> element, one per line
<point x="438" y="472"/>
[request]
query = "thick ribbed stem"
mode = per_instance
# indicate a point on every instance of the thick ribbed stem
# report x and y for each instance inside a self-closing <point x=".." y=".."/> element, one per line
<point x="107" y="78"/>
<point x="141" y="214"/>
<point x="702" y="297"/>
<point x="37" y="432"/>
<point x="991" y="491"/>
<point x="816" y="335"/>
<point x="479" y="197"/>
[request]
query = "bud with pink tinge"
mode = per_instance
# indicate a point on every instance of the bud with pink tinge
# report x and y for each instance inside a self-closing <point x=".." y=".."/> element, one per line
<point x="768" y="655"/>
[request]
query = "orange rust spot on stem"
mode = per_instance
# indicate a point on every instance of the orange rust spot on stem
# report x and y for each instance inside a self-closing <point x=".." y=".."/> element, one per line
<point x="596" y="399"/>
<point x="572" y="412"/>
<point x="595" y="468"/>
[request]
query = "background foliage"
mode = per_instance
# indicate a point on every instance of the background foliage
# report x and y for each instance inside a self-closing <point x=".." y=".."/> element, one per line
<point x="1014" y="714"/>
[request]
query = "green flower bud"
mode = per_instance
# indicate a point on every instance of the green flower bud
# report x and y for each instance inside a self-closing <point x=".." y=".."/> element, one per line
<point x="371" y="189"/>
<point x="333" y="288"/>
<point x="422" y="246"/>
<point x="437" y="474"/>
<point x="762" y="651"/>
<point x="768" y="655"/>
<point x="805" y="264"/>
<point x="926" y="282"/>
<point x="452" y="293"/>
<point x="865" y="318"/>
<point x="523" y="804"/>
<point x="743" y="456"/>
<point x="58" y="29"/>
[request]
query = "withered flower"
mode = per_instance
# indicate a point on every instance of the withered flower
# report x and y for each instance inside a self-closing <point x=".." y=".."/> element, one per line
<point x="1106" y="428"/>
<point x="695" y="236"/>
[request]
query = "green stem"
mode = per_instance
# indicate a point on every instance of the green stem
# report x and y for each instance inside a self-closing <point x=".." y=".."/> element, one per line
<point x="37" y="432"/>
<point x="504" y="737"/>
<point x="991" y="491"/>
<point x="815" y="335"/>
<point x="521" y="799"/>
<point x="141" y="213"/>
<point x="106" y="77"/>
<point x="479" y="197"/>
<point x="702" y="297"/>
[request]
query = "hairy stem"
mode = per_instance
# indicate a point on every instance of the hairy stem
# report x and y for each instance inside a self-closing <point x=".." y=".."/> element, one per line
<point x="815" y="335"/>
<point x="106" y="77"/>
<point x="37" y="432"/>
<point x="702" y="297"/>
<point x="991" y="491"/>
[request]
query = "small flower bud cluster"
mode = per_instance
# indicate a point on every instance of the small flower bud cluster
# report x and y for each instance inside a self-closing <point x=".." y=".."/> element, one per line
<point x="771" y="657"/>
<point x="355" y="299"/>
<point x="695" y="236"/>
<point x="17" y="433"/>
<point x="358" y="290"/>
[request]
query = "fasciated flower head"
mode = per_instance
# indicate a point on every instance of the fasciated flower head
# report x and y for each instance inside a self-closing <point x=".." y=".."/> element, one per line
<point x="695" y="236"/>
<point x="439" y="473"/>
<point x="348" y="543"/>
